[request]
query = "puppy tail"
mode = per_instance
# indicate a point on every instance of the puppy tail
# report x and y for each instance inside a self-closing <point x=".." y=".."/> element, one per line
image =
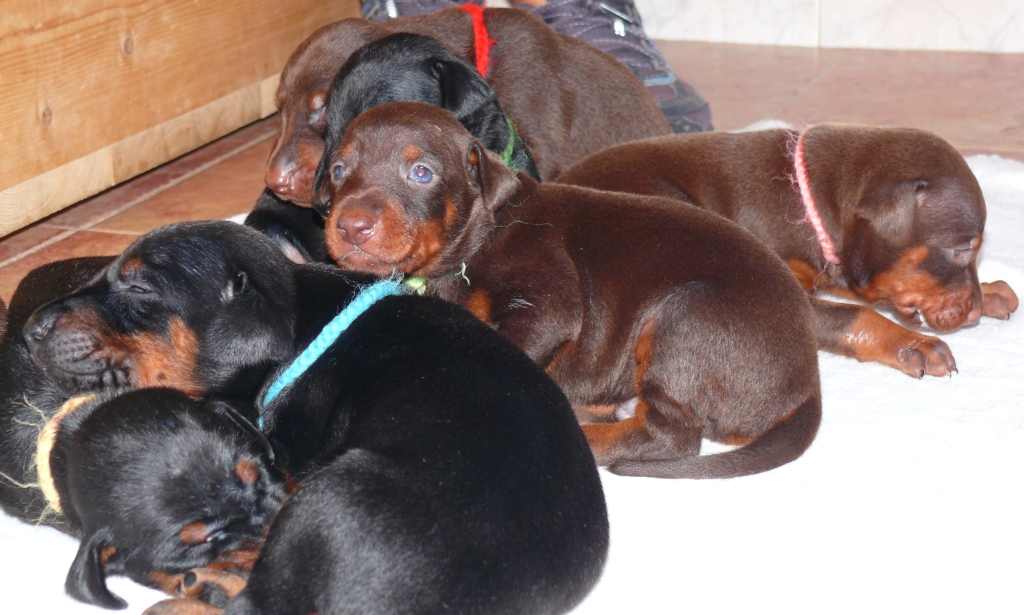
<point x="782" y="443"/>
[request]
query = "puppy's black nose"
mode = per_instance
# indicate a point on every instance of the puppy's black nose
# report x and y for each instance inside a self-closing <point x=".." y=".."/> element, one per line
<point x="356" y="226"/>
<point x="39" y="326"/>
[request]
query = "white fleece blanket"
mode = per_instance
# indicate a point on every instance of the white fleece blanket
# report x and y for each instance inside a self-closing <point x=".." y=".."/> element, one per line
<point x="909" y="500"/>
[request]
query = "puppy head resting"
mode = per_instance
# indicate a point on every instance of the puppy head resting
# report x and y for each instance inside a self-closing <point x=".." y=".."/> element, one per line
<point x="302" y="101"/>
<point x="410" y="190"/>
<point x="180" y="308"/>
<point x="159" y="484"/>
<point x="914" y="217"/>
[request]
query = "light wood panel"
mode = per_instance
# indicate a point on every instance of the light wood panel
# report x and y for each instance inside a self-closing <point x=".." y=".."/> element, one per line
<point x="96" y="91"/>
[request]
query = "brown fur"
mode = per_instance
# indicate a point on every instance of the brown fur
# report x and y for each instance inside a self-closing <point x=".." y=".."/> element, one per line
<point x="904" y="210"/>
<point x="619" y="297"/>
<point x="578" y="101"/>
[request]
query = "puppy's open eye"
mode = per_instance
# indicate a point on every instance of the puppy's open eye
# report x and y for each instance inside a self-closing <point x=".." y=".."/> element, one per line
<point x="337" y="171"/>
<point x="421" y="174"/>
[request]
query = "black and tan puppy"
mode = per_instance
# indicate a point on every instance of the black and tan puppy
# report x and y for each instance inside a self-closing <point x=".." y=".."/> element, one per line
<point x="619" y="297"/>
<point x="399" y="67"/>
<point x="442" y="469"/>
<point x="28" y="396"/>
<point x="148" y="323"/>
<point x="890" y="216"/>
<point x="157" y="484"/>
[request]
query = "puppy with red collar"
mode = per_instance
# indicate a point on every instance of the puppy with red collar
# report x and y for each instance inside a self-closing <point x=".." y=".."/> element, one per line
<point x="644" y="312"/>
<point x="889" y="216"/>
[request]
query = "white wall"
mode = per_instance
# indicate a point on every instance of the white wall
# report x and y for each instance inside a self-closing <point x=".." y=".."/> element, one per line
<point x="961" y="25"/>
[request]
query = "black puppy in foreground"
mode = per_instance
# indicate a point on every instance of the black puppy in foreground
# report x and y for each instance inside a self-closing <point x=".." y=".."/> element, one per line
<point x="154" y="483"/>
<point x="399" y="67"/>
<point x="442" y="470"/>
<point x="158" y="484"/>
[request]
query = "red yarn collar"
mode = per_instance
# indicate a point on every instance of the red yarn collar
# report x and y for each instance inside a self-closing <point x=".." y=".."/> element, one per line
<point x="482" y="40"/>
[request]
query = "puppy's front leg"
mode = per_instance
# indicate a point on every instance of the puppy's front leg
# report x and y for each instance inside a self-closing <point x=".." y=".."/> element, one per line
<point x="998" y="300"/>
<point x="860" y="332"/>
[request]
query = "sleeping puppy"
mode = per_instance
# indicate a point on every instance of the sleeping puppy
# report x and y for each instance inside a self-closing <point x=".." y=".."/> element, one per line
<point x="441" y="469"/>
<point x="565" y="97"/>
<point x="397" y="67"/>
<point x="28" y="396"/>
<point x="645" y="312"/>
<point x="156" y="484"/>
<point x="889" y="216"/>
<point x="141" y="323"/>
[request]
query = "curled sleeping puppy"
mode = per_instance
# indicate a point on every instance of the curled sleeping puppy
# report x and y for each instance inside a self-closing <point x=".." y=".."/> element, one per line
<point x="156" y="484"/>
<point x="566" y="98"/>
<point x="889" y="216"/>
<point x="144" y="321"/>
<point x="397" y="67"/>
<point x="28" y="396"/>
<point x="440" y="468"/>
<point x="644" y="312"/>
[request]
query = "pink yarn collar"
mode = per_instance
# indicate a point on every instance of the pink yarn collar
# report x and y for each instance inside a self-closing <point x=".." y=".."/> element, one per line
<point x="828" y="248"/>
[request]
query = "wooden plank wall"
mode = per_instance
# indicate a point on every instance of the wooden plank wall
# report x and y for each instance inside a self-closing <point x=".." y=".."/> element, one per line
<point x="94" y="92"/>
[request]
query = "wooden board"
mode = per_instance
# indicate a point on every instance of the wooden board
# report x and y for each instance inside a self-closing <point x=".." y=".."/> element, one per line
<point x="97" y="91"/>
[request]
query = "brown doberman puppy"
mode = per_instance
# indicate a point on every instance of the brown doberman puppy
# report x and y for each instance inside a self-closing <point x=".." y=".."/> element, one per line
<point x="643" y="311"/>
<point x="566" y="98"/>
<point x="889" y="216"/>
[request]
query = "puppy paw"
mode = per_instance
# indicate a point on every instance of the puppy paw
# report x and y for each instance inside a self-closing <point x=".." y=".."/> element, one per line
<point x="926" y="355"/>
<point x="211" y="586"/>
<point x="998" y="300"/>
<point x="182" y="606"/>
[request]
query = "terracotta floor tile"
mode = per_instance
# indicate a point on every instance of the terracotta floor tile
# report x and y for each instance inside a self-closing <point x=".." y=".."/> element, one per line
<point x="231" y="187"/>
<point x="26" y="239"/>
<point x="974" y="100"/>
<point x="83" y="243"/>
<point x="747" y="83"/>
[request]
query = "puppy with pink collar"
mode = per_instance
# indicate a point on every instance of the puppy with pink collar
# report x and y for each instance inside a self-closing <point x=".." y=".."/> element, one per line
<point x="892" y="217"/>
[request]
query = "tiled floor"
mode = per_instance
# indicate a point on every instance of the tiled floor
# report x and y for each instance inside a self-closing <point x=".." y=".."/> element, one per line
<point x="973" y="100"/>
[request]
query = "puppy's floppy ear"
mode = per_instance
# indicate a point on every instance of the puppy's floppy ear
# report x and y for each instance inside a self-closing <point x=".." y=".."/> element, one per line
<point x="893" y="209"/>
<point x="864" y="253"/>
<point x="463" y="90"/>
<point x="236" y="286"/>
<point x="236" y="418"/>
<point x="495" y="181"/>
<point x="86" y="581"/>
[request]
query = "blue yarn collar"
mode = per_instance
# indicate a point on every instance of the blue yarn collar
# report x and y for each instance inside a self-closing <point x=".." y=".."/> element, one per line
<point x="362" y="302"/>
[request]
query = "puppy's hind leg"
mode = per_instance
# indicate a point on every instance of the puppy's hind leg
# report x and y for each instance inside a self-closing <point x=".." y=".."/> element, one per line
<point x="656" y="427"/>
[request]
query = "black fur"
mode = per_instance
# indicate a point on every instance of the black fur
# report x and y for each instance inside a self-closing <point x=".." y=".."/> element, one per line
<point x="27" y="395"/>
<point x="118" y="330"/>
<point x="151" y="476"/>
<point x="298" y="231"/>
<point x="442" y="470"/>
